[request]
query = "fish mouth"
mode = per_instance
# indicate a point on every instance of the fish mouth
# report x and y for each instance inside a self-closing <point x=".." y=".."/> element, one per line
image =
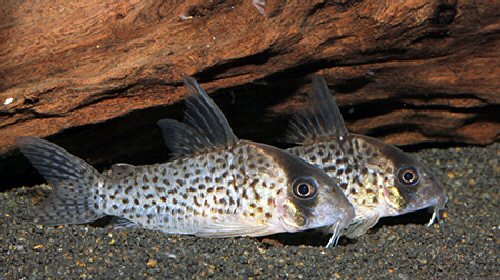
<point x="438" y="204"/>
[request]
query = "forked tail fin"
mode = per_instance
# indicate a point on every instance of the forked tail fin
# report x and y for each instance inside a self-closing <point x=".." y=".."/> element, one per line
<point x="75" y="199"/>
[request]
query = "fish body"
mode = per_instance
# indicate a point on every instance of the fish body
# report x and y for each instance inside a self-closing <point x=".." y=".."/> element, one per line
<point x="379" y="179"/>
<point x="207" y="191"/>
<point x="216" y="186"/>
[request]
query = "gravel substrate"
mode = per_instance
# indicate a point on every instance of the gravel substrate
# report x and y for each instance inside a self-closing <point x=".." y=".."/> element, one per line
<point x="466" y="246"/>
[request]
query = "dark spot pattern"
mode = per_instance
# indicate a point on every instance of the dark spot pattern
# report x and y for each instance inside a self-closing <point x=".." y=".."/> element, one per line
<point x="181" y="192"/>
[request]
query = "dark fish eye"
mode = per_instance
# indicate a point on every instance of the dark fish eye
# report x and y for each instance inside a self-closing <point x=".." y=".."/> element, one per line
<point x="304" y="188"/>
<point x="408" y="176"/>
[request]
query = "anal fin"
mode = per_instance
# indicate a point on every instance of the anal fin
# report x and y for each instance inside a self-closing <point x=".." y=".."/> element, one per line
<point x="118" y="223"/>
<point x="232" y="227"/>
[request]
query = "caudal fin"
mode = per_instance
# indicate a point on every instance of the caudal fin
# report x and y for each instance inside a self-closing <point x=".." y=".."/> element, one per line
<point x="74" y="199"/>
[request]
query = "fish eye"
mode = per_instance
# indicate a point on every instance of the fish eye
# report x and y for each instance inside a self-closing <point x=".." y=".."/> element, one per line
<point x="305" y="188"/>
<point x="408" y="176"/>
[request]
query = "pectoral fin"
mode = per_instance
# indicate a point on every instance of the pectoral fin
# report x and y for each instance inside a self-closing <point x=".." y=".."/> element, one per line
<point x="361" y="226"/>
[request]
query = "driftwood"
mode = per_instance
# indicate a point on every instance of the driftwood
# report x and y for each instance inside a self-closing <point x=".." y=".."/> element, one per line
<point x="95" y="76"/>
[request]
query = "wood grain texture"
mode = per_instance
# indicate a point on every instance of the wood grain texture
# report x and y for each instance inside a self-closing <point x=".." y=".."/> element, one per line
<point x="404" y="71"/>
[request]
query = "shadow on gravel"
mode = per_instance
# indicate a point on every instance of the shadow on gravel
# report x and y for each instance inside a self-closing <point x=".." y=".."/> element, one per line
<point x="317" y="238"/>
<point x="308" y="238"/>
<point x="420" y="217"/>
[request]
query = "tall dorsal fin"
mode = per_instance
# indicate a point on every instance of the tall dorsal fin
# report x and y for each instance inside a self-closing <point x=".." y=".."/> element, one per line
<point x="320" y="119"/>
<point x="180" y="138"/>
<point x="204" y="124"/>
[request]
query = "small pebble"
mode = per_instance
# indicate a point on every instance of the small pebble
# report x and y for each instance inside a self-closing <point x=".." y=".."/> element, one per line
<point x="152" y="263"/>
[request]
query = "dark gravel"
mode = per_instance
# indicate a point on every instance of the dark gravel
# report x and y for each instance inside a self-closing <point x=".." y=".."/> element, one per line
<point x="466" y="246"/>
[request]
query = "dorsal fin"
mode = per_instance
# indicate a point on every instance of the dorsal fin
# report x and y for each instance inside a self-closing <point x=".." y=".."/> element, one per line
<point x="180" y="138"/>
<point x="320" y="119"/>
<point x="204" y="124"/>
<point x="204" y="115"/>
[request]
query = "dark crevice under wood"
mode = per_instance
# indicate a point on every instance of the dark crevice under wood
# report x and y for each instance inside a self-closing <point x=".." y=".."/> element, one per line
<point x="96" y="78"/>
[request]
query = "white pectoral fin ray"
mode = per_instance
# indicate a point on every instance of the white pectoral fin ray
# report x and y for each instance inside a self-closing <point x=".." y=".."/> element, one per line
<point x="232" y="227"/>
<point x="321" y="118"/>
<point x="204" y="124"/>
<point x="359" y="227"/>
<point x="435" y="216"/>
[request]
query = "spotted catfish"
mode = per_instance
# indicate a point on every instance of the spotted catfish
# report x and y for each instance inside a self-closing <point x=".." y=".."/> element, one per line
<point x="378" y="179"/>
<point x="216" y="185"/>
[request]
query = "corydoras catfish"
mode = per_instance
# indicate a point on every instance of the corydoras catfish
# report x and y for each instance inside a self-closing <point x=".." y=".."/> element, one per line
<point x="378" y="179"/>
<point x="215" y="186"/>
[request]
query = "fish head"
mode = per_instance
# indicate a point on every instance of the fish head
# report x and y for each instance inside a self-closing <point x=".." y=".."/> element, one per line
<point x="412" y="185"/>
<point x="312" y="198"/>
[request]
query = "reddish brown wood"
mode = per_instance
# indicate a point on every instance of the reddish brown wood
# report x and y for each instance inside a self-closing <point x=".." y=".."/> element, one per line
<point x="412" y="71"/>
